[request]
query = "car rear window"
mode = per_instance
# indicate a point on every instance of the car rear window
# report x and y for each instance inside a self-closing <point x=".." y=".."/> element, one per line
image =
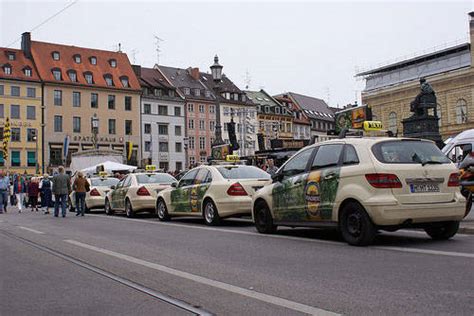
<point x="243" y="172"/>
<point x="106" y="182"/>
<point x="162" y="178"/>
<point x="408" y="152"/>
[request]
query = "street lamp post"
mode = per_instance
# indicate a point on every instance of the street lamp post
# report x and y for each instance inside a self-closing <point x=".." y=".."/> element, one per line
<point x="35" y="138"/>
<point x="216" y="71"/>
<point x="95" y="130"/>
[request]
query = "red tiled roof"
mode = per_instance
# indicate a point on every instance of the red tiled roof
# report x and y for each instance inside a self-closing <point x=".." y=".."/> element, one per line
<point x="18" y="65"/>
<point x="43" y="56"/>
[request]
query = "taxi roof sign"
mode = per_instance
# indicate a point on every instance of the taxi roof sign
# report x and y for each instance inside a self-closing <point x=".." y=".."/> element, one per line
<point x="372" y="125"/>
<point x="103" y="174"/>
<point x="150" y="167"/>
<point x="232" y="158"/>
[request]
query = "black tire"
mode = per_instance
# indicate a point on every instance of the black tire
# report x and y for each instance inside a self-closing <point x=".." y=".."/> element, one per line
<point x="468" y="204"/>
<point x="108" y="208"/>
<point x="442" y="231"/>
<point x="128" y="209"/>
<point x="210" y="213"/>
<point x="162" y="211"/>
<point x="263" y="219"/>
<point x="356" y="226"/>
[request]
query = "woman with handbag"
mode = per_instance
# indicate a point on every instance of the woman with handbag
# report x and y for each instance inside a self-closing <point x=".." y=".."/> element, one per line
<point x="80" y="186"/>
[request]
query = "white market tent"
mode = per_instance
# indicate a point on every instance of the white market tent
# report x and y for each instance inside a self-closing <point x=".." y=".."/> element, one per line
<point x="110" y="167"/>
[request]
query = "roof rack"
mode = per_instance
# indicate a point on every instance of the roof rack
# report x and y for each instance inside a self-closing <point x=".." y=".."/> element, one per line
<point x="350" y="132"/>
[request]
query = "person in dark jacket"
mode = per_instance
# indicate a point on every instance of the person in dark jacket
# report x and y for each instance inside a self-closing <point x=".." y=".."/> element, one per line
<point x="33" y="192"/>
<point x="61" y="190"/>
<point x="45" y="187"/>
<point x="81" y="187"/>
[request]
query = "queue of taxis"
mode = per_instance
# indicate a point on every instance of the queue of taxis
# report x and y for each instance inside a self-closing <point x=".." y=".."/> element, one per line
<point x="137" y="192"/>
<point x="95" y="198"/>
<point x="212" y="192"/>
<point x="362" y="185"/>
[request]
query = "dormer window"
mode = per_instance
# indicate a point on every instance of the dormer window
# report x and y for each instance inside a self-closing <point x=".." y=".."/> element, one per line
<point x="113" y="63"/>
<point x="124" y="80"/>
<point x="236" y="97"/>
<point x="171" y="93"/>
<point x="207" y="94"/>
<point x="145" y="91"/>
<point x="72" y="75"/>
<point x="89" y="78"/>
<point x="108" y="80"/>
<point x="277" y="110"/>
<point x="157" y="92"/>
<point x="187" y="91"/>
<point x="11" y="56"/>
<point x="27" y="71"/>
<point x="77" y="58"/>
<point x="244" y="98"/>
<point x="7" y="69"/>
<point x="57" y="74"/>
<point x="227" y="95"/>
<point x="56" y="55"/>
<point x="93" y="60"/>
<point x="197" y="92"/>
<point x="267" y="109"/>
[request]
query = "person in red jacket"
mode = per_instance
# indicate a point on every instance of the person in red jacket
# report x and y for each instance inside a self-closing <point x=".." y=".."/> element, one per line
<point x="33" y="192"/>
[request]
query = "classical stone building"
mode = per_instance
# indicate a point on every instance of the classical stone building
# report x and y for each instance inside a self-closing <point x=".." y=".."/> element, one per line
<point x="162" y="117"/>
<point x="80" y="84"/>
<point x="20" y="101"/>
<point x="390" y="89"/>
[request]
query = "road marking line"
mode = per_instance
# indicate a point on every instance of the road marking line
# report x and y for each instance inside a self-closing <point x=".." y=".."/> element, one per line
<point x="420" y="232"/>
<point x="216" y="284"/>
<point x="428" y="251"/>
<point x="328" y="242"/>
<point x="31" y="230"/>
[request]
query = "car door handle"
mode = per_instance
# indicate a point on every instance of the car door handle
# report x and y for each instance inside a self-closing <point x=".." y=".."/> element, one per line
<point x="329" y="176"/>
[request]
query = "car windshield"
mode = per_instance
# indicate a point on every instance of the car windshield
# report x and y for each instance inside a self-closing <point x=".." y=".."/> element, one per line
<point x="162" y="178"/>
<point x="104" y="182"/>
<point x="409" y="152"/>
<point x="243" y="172"/>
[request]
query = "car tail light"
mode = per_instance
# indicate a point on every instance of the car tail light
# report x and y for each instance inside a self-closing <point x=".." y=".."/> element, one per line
<point x="453" y="180"/>
<point x="236" y="189"/>
<point x="94" y="192"/>
<point x="383" y="180"/>
<point x="142" y="191"/>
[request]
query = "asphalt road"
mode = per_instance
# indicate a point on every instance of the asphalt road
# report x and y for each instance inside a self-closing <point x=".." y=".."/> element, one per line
<point x="114" y="265"/>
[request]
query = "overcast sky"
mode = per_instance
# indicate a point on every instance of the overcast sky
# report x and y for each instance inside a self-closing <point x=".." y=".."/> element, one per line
<point x="309" y="47"/>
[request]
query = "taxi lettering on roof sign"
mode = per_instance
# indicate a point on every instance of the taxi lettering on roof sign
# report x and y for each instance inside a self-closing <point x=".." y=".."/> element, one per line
<point x="372" y="125"/>
<point x="103" y="174"/>
<point x="232" y="158"/>
<point x="150" y="167"/>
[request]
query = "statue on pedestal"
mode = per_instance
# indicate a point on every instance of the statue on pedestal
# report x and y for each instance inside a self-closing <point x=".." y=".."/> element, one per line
<point x="425" y="100"/>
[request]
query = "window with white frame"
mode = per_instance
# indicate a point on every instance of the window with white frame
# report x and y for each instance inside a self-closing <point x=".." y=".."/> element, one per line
<point x="461" y="111"/>
<point x="162" y="129"/>
<point x="191" y="142"/>
<point x="191" y="124"/>
<point x="202" y="143"/>
<point x="202" y="125"/>
<point x="190" y="107"/>
<point x="201" y="108"/>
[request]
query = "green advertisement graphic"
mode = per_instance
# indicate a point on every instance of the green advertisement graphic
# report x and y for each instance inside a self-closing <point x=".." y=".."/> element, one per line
<point x="188" y="199"/>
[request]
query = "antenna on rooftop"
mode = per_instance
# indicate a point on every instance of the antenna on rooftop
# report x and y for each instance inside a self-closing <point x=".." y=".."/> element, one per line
<point x="247" y="79"/>
<point x="134" y="55"/>
<point x="328" y="94"/>
<point x="119" y="47"/>
<point x="158" y="50"/>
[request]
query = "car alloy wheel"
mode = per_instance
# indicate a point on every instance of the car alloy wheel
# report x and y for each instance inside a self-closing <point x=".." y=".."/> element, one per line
<point x="108" y="209"/>
<point x="356" y="226"/>
<point x="128" y="209"/>
<point x="161" y="211"/>
<point x="211" y="216"/>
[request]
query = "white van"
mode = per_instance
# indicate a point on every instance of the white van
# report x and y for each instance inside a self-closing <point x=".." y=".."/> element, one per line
<point x="457" y="148"/>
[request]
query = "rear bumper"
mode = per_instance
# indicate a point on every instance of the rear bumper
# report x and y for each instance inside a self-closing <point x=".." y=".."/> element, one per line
<point x="144" y="203"/>
<point x="95" y="202"/>
<point x="236" y="206"/>
<point x="398" y="214"/>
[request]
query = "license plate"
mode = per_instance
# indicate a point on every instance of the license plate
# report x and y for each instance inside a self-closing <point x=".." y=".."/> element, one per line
<point x="424" y="187"/>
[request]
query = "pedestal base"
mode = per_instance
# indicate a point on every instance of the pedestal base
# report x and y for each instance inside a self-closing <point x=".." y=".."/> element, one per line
<point x="423" y="127"/>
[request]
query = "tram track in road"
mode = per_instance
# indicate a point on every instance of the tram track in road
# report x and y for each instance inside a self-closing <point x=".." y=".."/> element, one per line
<point x="196" y="310"/>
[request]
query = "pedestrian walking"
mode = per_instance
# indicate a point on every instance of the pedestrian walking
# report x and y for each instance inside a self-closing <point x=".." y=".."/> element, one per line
<point x="61" y="190"/>
<point x="4" y="186"/>
<point x="19" y="189"/>
<point x="80" y="186"/>
<point x="45" y="187"/>
<point x="33" y="192"/>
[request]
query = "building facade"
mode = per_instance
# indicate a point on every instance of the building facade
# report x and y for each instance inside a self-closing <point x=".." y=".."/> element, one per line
<point x="301" y="121"/>
<point x="163" y="122"/>
<point x="390" y="89"/>
<point x="234" y="105"/>
<point x="320" y="115"/>
<point x="20" y="101"/>
<point x="200" y="111"/>
<point x="275" y="121"/>
<point x="79" y="85"/>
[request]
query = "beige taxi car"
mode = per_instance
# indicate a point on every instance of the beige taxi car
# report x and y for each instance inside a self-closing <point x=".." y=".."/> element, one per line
<point x="212" y="192"/>
<point x="362" y="185"/>
<point x="137" y="192"/>
<point x="95" y="198"/>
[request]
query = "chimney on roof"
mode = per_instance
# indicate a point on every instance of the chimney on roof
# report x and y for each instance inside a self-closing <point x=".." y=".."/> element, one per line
<point x="26" y="44"/>
<point x="194" y="72"/>
<point x="137" y="69"/>
<point x="471" y="32"/>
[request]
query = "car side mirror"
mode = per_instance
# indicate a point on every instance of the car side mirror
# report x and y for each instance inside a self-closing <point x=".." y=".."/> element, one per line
<point x="174" y="184"/>
<point x="277" y="177"/>
<point x="112" y="187"/>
